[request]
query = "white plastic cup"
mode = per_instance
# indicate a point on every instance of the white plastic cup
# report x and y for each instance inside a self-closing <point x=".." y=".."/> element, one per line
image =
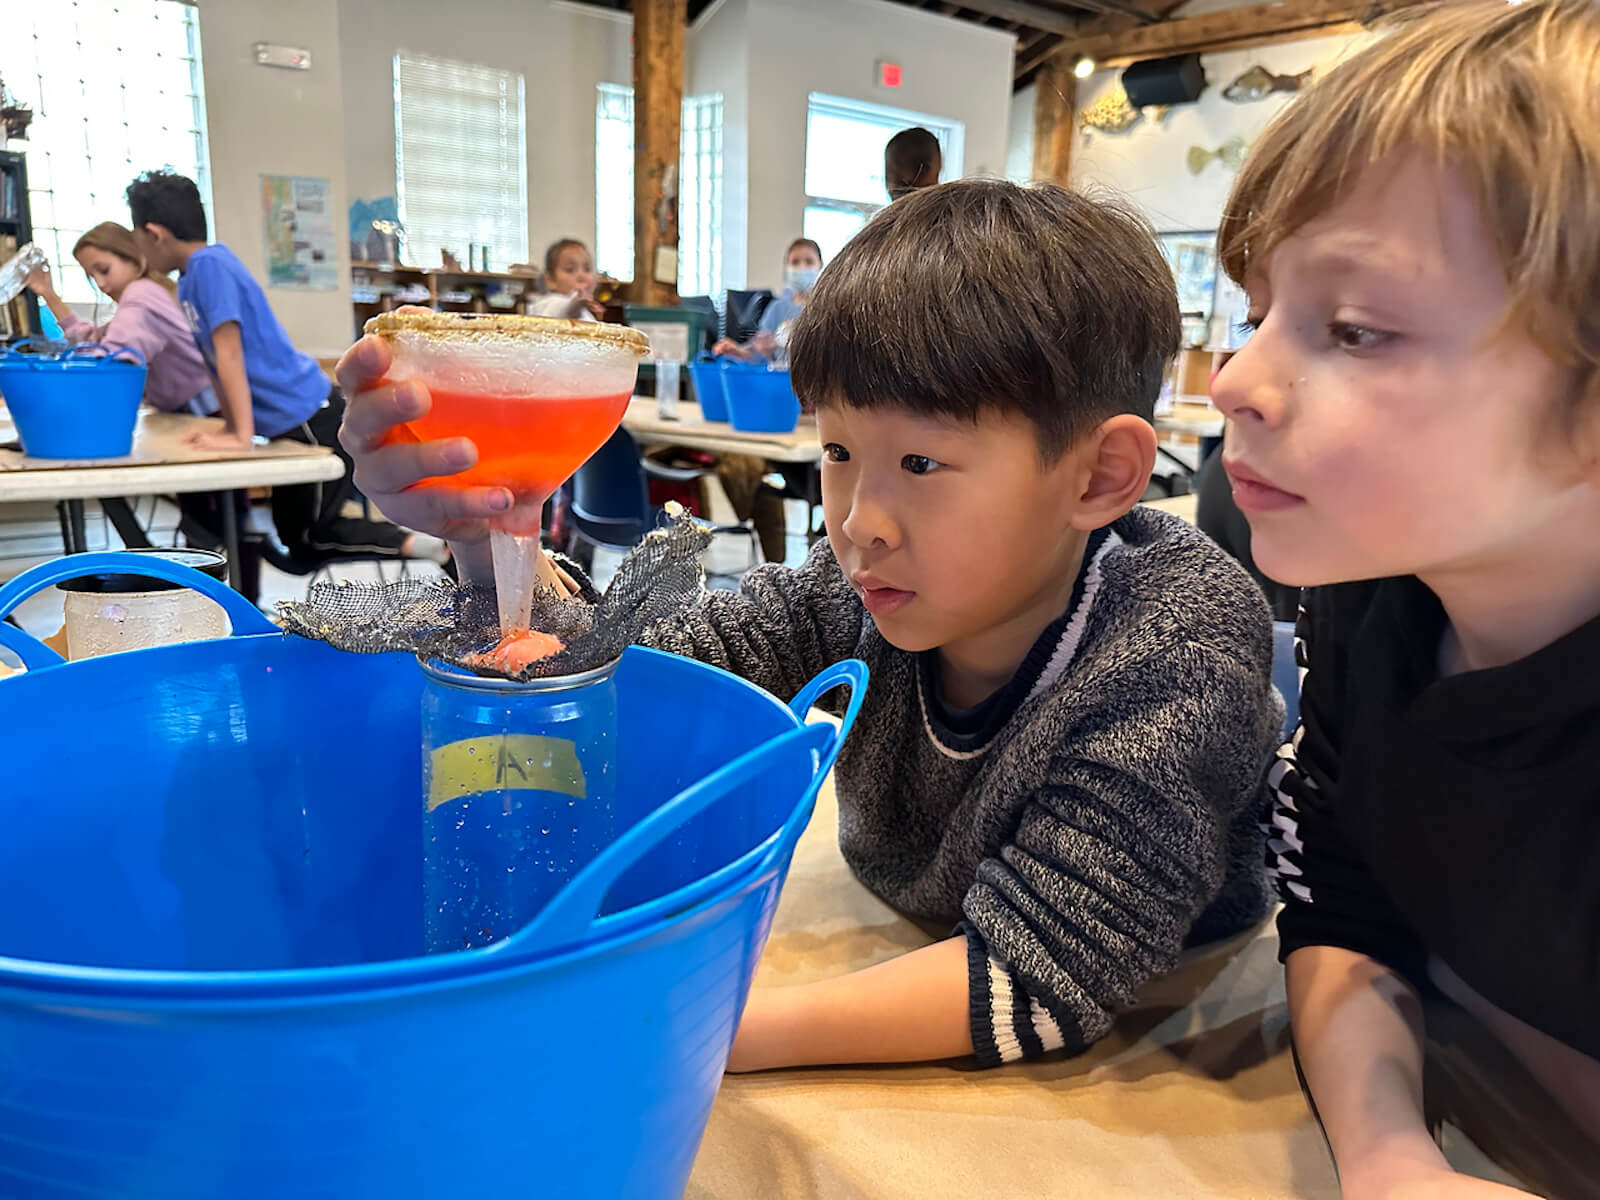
<point x="106" y="614"/>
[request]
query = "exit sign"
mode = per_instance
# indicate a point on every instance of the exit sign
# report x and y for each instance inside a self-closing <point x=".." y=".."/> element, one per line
<point x="888" y="74"/>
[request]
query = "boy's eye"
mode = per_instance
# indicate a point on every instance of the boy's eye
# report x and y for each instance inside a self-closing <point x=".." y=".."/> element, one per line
<point x="918" y="464"/>
<point x="1357" y="337"/>
<point x="836" y="453"/>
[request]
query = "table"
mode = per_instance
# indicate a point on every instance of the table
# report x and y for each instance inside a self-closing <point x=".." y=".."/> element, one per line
<point x="1198" y="420"/>
<point x="693" y="431"/>
<point x="160" y="464"/>
<point x="1184" y="506"/>
<point x="1193" y="1093"/>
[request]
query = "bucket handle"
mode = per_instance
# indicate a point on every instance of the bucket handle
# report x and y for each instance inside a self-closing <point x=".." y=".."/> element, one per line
<point x="37" y="361"/>
<point x="574" y="910"/>
<point x="243" y="616"/>
<point x="568" y="917"/>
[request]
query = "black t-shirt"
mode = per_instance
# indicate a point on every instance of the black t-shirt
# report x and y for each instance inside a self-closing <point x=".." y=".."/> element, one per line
<point x="1455" y="817"/>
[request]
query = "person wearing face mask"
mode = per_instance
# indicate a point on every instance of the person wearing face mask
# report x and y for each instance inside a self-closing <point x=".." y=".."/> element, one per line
<point x="802" y="263"/>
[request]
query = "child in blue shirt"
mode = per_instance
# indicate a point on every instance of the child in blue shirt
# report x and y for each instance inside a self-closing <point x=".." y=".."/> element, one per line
<point x="265" y="385"/>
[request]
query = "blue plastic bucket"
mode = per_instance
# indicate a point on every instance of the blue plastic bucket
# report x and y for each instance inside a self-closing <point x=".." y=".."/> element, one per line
<point x="706" y="376"/>
<point x="760" y="399"/>
<point x="213" y="986"/>
<point x="83" y="404"/>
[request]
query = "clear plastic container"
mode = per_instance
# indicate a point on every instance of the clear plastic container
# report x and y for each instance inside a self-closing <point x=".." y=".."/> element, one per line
<point x="16" y="269"/>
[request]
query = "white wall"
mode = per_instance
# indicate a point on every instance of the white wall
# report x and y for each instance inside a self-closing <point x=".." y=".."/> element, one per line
<point x="264" y="120"/>
<point x="1148" y="163"/>
<point x="952" y="69"/>
<point x="1019" y="141"/>
<point x="562" y="50"/>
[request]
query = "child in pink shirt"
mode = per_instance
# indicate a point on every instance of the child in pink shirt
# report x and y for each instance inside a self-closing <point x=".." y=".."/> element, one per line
<point x="147" y="319"/>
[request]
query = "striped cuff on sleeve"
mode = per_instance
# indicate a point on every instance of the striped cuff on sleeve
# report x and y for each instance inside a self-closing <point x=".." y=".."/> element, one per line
<point x="1007" y="1023"/>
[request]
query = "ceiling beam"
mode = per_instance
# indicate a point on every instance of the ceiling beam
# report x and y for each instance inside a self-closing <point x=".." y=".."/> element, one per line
<point x="1250" y="25"/>
<point x="1040" y="51"/>
<point x="1052" y="20"/>
<point x="1035" y="15"/>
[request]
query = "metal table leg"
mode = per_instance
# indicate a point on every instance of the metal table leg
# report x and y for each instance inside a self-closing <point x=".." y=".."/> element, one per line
<point x="230" y="537"/>
<point x="74" y="537"/>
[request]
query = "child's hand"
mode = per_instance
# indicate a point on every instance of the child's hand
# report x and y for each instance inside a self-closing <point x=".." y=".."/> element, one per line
<point x="219" y="439"/>
<point x="38" y="282"/>
<point x="389" y="462"/>
<point x="1408" y="1180"/>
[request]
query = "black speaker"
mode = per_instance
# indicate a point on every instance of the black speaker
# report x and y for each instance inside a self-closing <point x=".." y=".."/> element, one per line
<point x="1177" y="80"/>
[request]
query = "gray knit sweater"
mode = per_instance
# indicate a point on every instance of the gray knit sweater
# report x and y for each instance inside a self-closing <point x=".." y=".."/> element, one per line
<point x="1099" y="814"/>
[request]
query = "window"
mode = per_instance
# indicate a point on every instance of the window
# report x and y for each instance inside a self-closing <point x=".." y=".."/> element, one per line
<point x="700" y="198"/>
<point x="460" y="160"/>
<point x="844" y="163"/>
<point x="613" y="181"/>
<point x="699" y="189"/>
<point x="116" y="89"/>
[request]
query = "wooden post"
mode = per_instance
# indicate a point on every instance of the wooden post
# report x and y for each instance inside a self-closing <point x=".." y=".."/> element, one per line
<point x="1055" y="112"/>
<point x="657" y="127"/>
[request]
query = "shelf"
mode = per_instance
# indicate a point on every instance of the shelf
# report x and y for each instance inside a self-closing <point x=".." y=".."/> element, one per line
<point x="442" y="273"/>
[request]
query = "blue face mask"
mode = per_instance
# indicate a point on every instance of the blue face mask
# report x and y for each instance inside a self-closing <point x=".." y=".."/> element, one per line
<point x="801" y="279"/>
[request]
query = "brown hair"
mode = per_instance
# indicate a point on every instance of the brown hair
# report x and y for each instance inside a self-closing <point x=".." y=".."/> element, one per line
<point x="117" y="239"/>
<point x="983" y="296"/>
<point x="911" y="160"/>
<point x="803" y="241"/>
<point x="1504" y="92"/>
<point x="552" y="256"/>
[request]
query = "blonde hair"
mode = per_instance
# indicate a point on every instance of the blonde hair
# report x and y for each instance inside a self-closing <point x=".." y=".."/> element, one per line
<point x="117" y="239"/>
<point x="1508" y="94"/>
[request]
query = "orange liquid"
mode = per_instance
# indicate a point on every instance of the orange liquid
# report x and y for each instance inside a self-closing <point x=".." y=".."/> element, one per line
<point x="528" y="444"/>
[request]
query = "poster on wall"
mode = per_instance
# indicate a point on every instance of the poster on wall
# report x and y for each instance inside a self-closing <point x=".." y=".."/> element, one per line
<point x="298" y="229"/>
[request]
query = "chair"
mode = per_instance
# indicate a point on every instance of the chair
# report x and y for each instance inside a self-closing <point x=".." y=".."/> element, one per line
<point x="1286" y="674"/>
<point x="703" y="304"/>
<point x="611" y="497"/>
<point x="743" y="316"/>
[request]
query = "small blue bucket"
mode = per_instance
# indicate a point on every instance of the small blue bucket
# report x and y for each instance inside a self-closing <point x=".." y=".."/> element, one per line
<point x="706" y="376"/>
<point x="760" y="399"/>
<point x="215" y="986"/>
<point x="81" y="404"/>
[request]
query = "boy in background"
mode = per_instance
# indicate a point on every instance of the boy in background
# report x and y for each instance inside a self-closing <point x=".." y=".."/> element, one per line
<point x="912" y="160"/>
<point x="264" y="385"/>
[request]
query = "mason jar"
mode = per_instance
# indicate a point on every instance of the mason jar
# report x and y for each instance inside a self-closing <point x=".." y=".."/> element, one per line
<point x="518" y="795"/>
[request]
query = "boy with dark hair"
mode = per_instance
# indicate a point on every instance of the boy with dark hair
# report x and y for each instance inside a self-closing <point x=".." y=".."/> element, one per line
<point x="911" y="161"/>
<point x="1060" y="753"/>
<point x="264" y="385"/>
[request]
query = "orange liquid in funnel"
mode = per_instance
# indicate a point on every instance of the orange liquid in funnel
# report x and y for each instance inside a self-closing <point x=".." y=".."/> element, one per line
<point x="528" y="444"/>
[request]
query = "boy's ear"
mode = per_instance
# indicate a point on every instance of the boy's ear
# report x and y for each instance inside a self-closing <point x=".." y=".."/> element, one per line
<point x="1116" y="461"/>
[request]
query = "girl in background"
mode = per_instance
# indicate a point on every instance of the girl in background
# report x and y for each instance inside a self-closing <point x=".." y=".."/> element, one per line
<point x="147" y="319"/>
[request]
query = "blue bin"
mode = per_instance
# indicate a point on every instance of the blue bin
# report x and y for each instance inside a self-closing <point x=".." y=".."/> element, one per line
<point x="83" y="404"/>
<point x="760" y="399"/>
<point x="706" y="376"/>
<point x="211" y="982"/>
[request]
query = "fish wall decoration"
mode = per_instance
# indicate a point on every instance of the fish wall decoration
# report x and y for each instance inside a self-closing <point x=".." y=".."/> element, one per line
<point x="1230" y="154"/>
<point x="1111" y="113"/>
<point x="1258" y="83"/>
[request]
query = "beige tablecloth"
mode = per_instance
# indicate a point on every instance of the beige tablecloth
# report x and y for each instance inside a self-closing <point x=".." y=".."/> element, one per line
<point x="1193" y="1095"/>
